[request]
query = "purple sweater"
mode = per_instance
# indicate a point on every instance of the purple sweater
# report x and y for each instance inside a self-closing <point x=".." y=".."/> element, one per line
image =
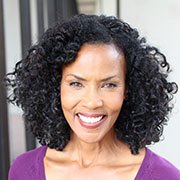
<point x="29" y="166"/>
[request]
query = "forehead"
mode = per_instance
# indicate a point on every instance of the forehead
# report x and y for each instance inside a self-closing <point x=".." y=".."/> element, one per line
<point x="97" y="59"/>
<point x="109" y="48"/>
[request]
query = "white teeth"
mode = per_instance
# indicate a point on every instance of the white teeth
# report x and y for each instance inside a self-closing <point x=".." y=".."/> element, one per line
<point x="90" y="119"/>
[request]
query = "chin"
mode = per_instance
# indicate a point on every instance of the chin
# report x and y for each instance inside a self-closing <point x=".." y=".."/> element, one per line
<point x="91" y="138"/>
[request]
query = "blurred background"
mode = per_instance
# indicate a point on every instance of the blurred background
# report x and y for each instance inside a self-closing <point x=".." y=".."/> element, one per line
<point x="22" y="22"/>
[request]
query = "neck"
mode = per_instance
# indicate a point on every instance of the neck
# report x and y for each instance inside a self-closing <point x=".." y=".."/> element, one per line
<point x="96" y="153"/>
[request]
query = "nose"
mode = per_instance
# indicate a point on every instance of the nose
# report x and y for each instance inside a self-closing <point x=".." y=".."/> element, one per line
<point x="92" y="99"/>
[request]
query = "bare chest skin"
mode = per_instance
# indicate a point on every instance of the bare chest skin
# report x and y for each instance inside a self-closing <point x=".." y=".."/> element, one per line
<point x="68" y="170"/>
<point x="105" y="173"/>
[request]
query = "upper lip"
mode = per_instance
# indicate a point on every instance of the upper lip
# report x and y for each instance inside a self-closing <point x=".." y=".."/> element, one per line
<point x="91" y="114"/>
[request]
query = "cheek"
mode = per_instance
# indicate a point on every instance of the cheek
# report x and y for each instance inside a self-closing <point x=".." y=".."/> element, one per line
<point x="68" y="99"/>
<point x="115" y="102"/>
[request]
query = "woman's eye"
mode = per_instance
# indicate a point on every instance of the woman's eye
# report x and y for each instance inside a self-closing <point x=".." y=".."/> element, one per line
<point x="75" y="84"/>
<point x="110" y="85"/>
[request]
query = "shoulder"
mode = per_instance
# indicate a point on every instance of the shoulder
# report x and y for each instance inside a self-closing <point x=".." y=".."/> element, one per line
<point x="27" y="164"/>
<point x="155" y="167"/>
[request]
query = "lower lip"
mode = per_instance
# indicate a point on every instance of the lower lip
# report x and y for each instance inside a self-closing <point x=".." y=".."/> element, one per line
<point x="91" y="125"/>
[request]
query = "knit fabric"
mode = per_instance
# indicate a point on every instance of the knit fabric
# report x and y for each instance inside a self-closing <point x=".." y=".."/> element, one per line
<point x="30" y="166"/>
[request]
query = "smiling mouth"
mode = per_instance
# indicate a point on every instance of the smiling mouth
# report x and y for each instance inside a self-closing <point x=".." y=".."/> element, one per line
<point x="91" y="121"/>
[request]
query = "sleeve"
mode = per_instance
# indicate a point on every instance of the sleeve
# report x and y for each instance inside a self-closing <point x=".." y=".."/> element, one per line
<point x="27" y="165"/>
<point x="12" y="175"/>
<point x="163" y="169"/>
<point x="19" y="169"/>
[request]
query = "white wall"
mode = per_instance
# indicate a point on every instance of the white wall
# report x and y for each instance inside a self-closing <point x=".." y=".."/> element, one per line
<point x="13" y="54"/>
<point x="107" y="7"/>
<point x="159" y="21"/>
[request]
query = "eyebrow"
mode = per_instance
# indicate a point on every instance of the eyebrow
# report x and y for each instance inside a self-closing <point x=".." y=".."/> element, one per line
<point x="104" y="79"/>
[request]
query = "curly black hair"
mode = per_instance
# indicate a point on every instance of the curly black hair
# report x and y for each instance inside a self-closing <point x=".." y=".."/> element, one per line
<point x="35" y="82"/>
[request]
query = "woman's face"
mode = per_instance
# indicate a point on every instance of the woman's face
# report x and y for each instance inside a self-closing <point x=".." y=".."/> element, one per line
<point x="93" y="90"/>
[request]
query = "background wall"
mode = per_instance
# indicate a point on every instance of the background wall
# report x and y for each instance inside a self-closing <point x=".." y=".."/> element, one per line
<point x="13" y="54"/>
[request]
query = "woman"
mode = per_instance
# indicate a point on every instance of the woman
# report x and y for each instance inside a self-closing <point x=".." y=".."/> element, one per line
<point x="95" y="95"/>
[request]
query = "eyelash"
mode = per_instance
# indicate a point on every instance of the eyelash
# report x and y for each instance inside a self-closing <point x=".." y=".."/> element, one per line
<point x="110" y="85"/>
<point x="76" y="84"/>
<point x="106" y="85"/>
